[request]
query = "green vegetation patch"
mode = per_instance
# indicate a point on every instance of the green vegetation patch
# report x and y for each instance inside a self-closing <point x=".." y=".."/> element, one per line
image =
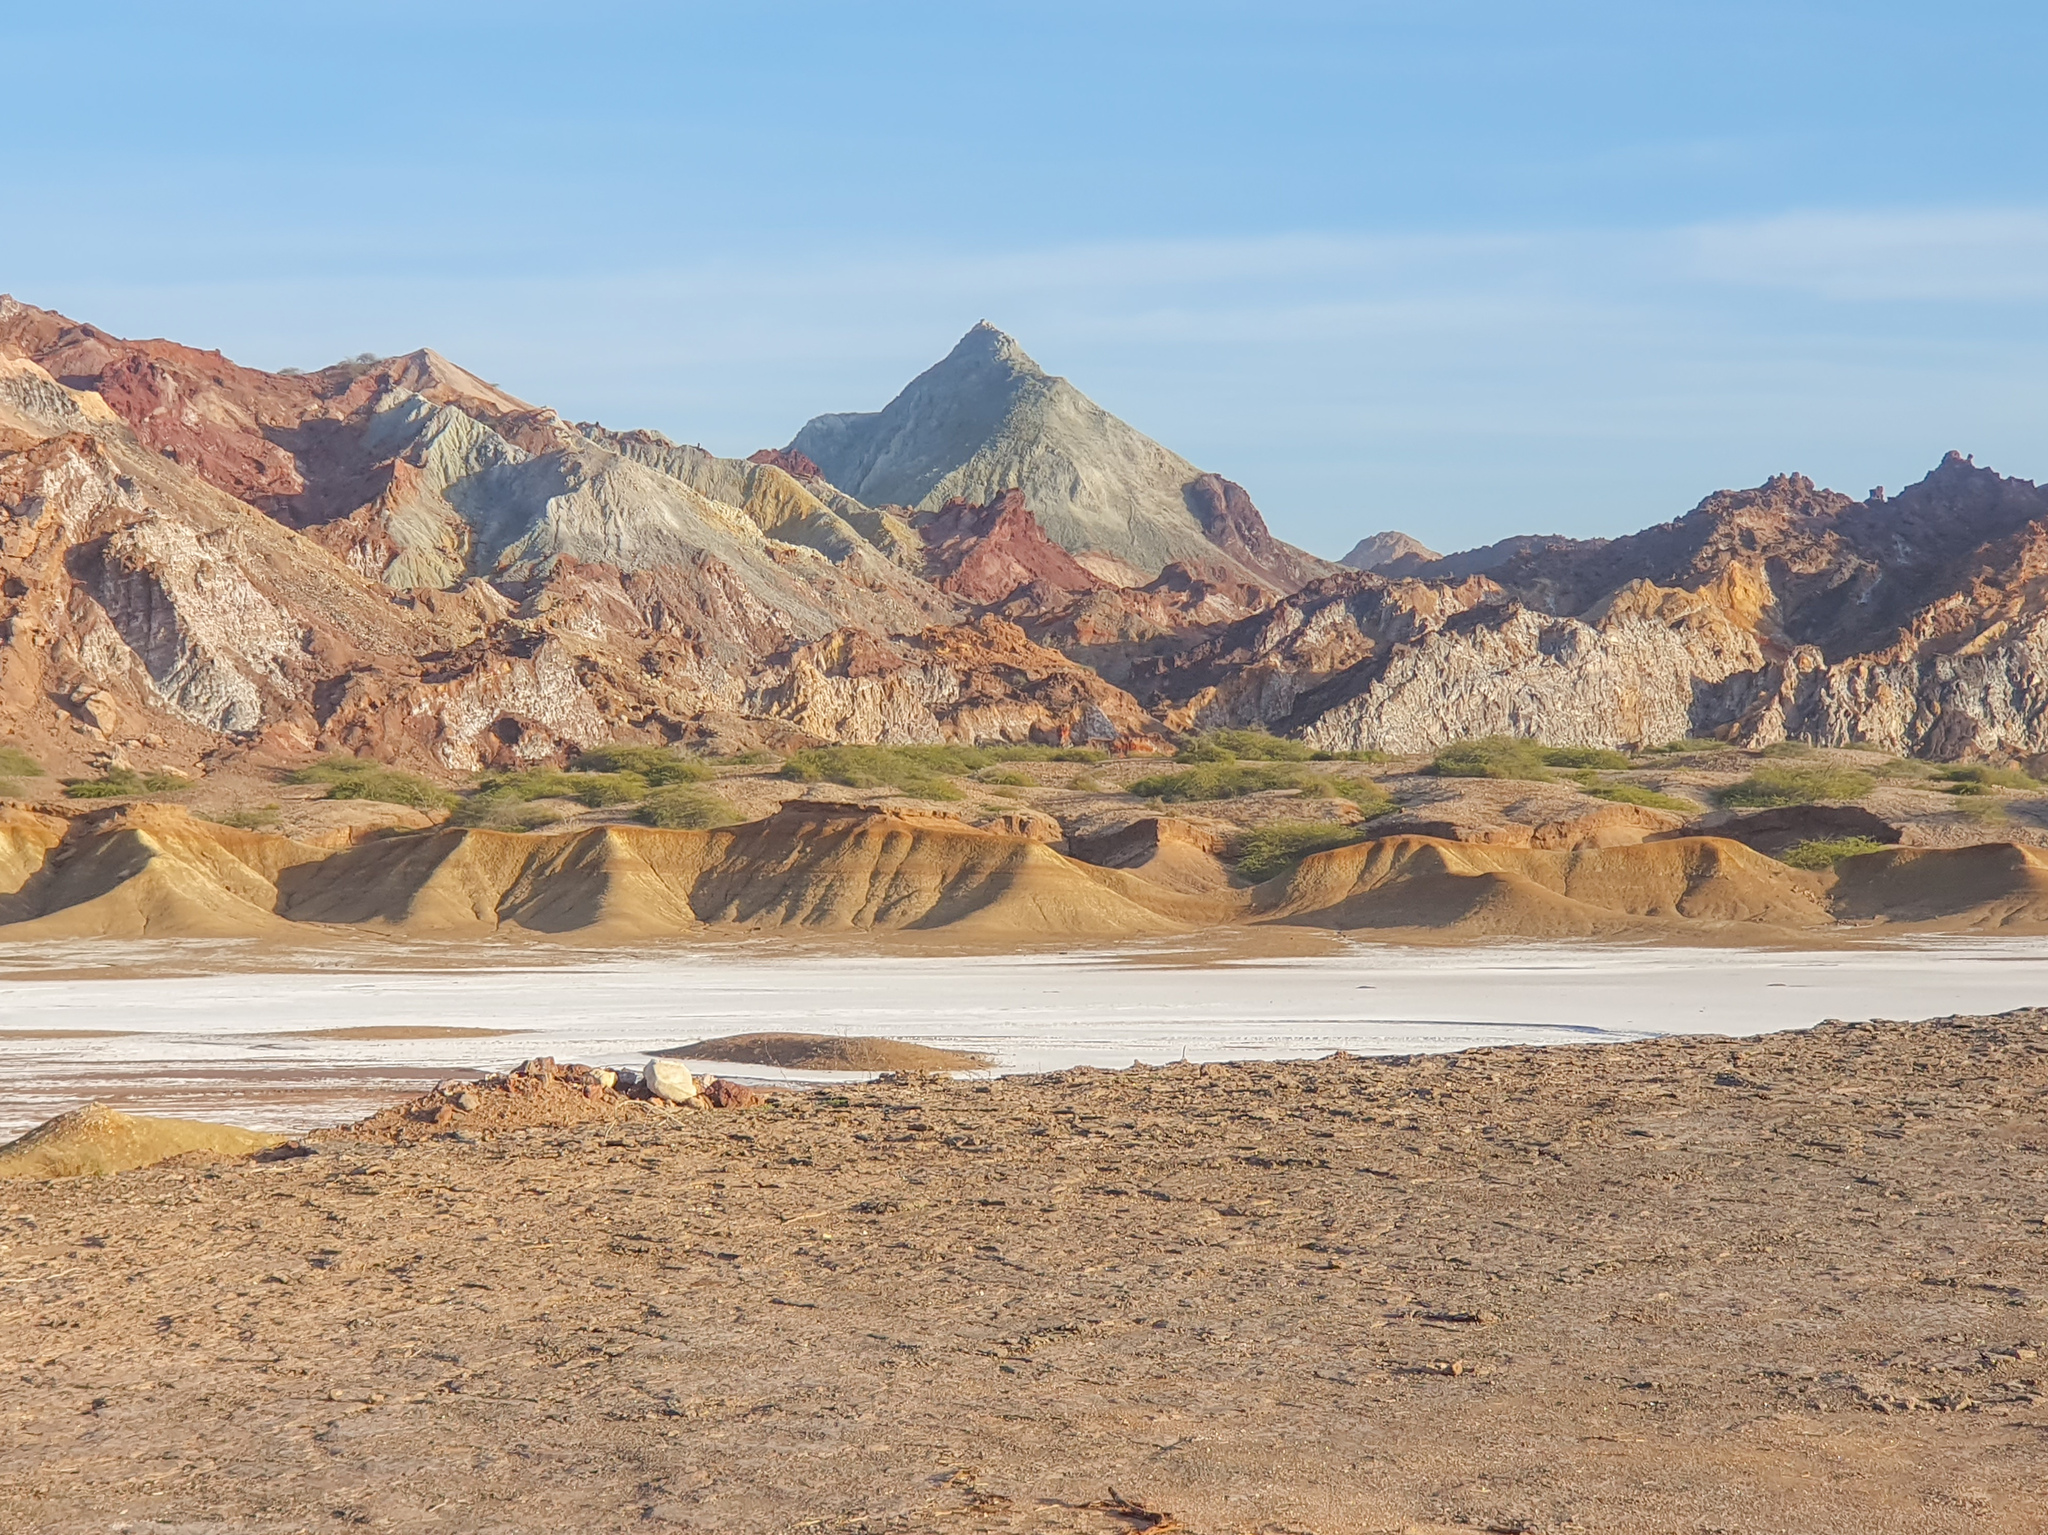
<point x="1826" y="852"/>
<point x="1515" y="757"/>
<point x="1772" y="787"/>
<point x="596" y="790"/>
<point x="1635" y="794"/>
<point x="16" y="763"/>
<point x="248" y="818"/>
<point x="1273" y="850"/>
<point x="1982" y="777"/>
<point x="1219" y="780"/>
<point x="654" y="766"/>
<point x="1242" y="746"/>
<point x="357" y="778"/>
<point x="684" y="807"/>
<point x="122" y="783"/>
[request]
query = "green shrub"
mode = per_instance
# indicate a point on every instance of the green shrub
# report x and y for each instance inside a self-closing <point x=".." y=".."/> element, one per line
<point x="1087" y="783"/>
<point x="1583" y="757"/>
<point x="915" y="770"/>
<point x="683" y="807"/>
<point x="1358" y="756"/>
<point x="654" y="766"/>
<point x="1770" y="787"/>
<point x="1242" y="746"/>
<point x="1365" y="793"/>
<point x="596" y="790"/>
<point x="1980" y="777"/>
<point x="122" y="783"/>
<point x="1219" y="780"/>
<point x="1009" y="777"/>
<point x="497" y="810"/>
<point x="1632" y="794"/>
<point x="360" y="778"/>
<point x="1493" y="757"/>
<point x="248" y="818"/>
<point x="1031" y="753"/>
<point x="1273" y="850"/>
<point x="16" y="763"/>
<point x="1825" y="853"/>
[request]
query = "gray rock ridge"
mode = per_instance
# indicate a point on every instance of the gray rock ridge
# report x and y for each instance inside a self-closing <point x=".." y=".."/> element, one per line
<point x="986" y="419"/>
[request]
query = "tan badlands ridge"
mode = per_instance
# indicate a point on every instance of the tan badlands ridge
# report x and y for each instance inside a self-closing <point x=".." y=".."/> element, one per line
<point x="153" y="871"/>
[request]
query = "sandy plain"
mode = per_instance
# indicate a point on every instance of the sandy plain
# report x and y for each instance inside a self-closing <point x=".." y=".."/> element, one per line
<point x="1794" y="1283"/>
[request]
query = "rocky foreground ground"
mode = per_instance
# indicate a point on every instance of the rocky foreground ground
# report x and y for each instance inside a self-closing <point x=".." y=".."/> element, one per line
<point x="1788" y="1284"/>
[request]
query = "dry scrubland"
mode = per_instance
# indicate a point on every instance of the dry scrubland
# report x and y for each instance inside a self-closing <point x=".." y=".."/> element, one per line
<point x="1788" y="1284"/>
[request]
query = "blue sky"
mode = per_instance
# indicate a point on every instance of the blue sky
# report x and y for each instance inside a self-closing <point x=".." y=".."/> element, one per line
<point x="1466" y="269"/>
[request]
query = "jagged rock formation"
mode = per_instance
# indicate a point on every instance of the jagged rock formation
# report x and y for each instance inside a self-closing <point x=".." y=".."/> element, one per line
<point x="987" y="419"/>
<point x="1382" y="549"/>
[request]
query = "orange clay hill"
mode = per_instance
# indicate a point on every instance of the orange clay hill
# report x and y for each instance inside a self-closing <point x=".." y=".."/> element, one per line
<point x="153" y="871"/>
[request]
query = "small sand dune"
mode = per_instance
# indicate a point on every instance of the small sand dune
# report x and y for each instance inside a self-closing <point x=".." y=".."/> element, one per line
<point x="96" y="1140"/>
<point x="828" y="1052"/>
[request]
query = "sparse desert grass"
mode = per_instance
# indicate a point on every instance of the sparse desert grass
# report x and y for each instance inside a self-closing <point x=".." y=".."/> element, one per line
<point x="248" y="818"/>
<point x="1261" y="746"/>
<point x="654" y="766"/>
<point x="356" y="778"/>
<point x="685" y="807"/>
<point x="1273" y="850"/>
<point x="1981" y="777"/>
<point x="16" y="763"/>
<point x="1218" y="780"/>
<point x="1774" y="787"/>
<point x="1515" y="757"/>
<point x="1635" y="794"/>
<point x="1826" y="852"/>
<point x="123" y="783"/>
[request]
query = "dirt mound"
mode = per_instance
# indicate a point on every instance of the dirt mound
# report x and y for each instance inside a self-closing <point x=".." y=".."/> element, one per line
<point x="827" y="1052"/>
<point x="96" y="1140"/>
<point x="1176" y="854"/>
<point x="1777" y="831"/>
<point x="1418" y="882"/>
<point x="1993" y="885"/>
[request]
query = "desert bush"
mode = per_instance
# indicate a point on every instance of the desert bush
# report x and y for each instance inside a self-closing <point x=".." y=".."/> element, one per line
<point x="654" y="766"/>
<point x="16" y="763"/>
<point x="1634" y="794"/>
<point x="1242" y="746"/>
<point x="1493" y="757"/>
<point x="357" y="778"/>
<point x="1365" y="793"/>
<point x="1826" y="852"/>
<point x="121" y="783"/>
<point x="1582" y="757"/>
<point x="684" y="807"/>
<point x="1219" y="780"/>
<point x="920" y="771"/>
<point x="1008" y="777"/>
<point x="248" y="818"/>
<point x="497" y="810"/>
<point x="1771" y="787"/>
<point x="1980" y="777"/>
<point x="596" y="790"/>
<point x="1273" y="850"/>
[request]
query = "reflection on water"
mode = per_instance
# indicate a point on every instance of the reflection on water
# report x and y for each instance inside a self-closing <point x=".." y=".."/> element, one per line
<point x="235" y="1032"/>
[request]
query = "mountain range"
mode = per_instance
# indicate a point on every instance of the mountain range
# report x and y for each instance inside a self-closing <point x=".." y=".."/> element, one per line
<point x="395" y="558"/>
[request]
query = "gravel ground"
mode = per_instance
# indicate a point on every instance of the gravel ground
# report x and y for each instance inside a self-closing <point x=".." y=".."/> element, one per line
<point x="1787" y="1284"/>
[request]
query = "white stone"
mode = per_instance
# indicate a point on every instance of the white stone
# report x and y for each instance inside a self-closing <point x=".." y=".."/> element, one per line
<point x="670" y="1080"/>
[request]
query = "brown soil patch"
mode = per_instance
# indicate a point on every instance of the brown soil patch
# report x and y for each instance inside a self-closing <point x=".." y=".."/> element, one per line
<point x="828" y="1052"/>
<point x="1793" y="1284"/>
<point x="97" y="1140"/>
